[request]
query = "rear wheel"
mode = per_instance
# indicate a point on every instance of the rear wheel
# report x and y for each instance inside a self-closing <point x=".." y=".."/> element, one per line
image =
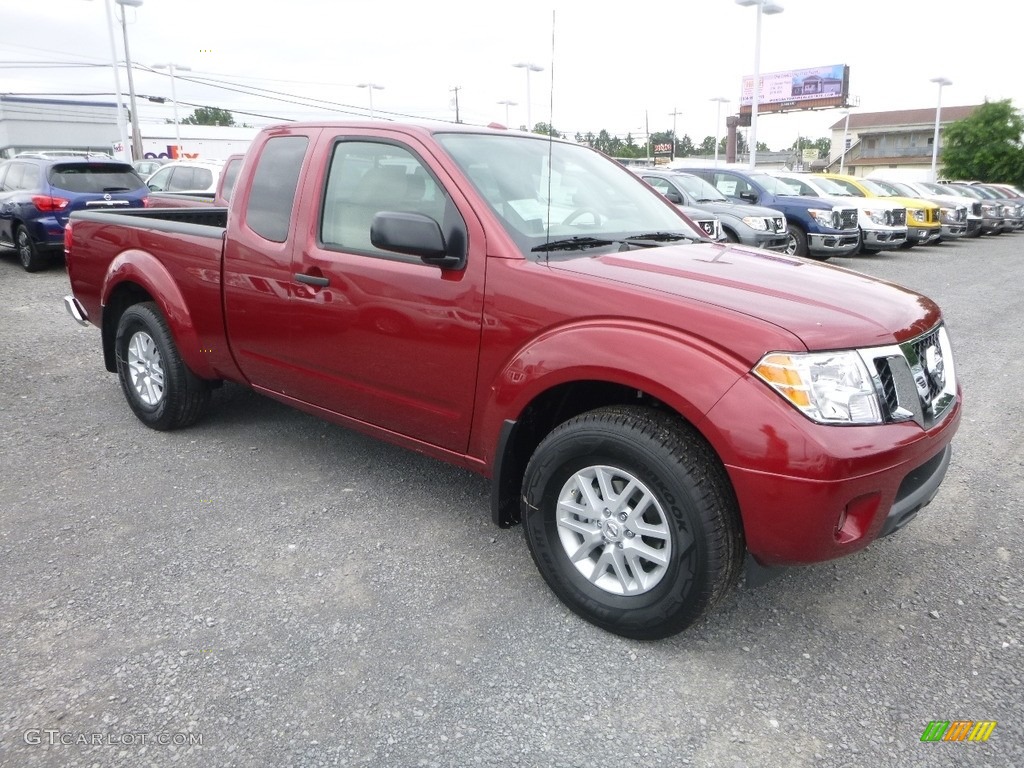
<point x="631" y="521"/>
<point x="159" y="387"/>
<point x="31" y="258"/>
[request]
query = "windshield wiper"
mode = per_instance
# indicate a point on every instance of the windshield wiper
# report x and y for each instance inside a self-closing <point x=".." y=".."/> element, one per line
<point x="573" y="244"/>
<point x="661" y="237"/>
<point x="647" y="240"/>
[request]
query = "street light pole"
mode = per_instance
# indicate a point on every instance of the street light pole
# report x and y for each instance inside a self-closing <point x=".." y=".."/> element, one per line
<point x="940" y="81"/>
<point x="172" y="68"/>
<point x="136" y="135"/>
<point x="674" y="113"/>
<point x="846" y="133"/>
<point x="370" y="88"/>
<point x="718" y="123"/>
<point x="771" y="8"/>
<point x="508" y="103"/>
<point x="122" y="128"/>
<point x="529" y="68"/>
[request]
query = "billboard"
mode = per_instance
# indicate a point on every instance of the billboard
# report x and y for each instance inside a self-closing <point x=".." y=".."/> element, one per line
<point x="814" y="88"/>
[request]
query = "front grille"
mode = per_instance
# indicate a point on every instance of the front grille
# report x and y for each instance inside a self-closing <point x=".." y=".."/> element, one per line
<point x="916" y="379"/>
<point x="708" y="226"/>
<point x="899" y="217"/>
<point x="849" y="218"/>
<point x="776" y="224"/>
<point x="976" y="208"/>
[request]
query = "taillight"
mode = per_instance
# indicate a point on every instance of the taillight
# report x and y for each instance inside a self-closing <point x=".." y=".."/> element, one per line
<point x="49" y="204"/>
<point x="67" y="239"/>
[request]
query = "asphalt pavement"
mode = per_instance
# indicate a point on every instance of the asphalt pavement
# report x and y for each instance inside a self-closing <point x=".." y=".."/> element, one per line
<point x="267" y="589"/>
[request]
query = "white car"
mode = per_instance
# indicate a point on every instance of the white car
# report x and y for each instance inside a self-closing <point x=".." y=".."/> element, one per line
<point x="883" y="225"/>
<point x="186" y="176"/>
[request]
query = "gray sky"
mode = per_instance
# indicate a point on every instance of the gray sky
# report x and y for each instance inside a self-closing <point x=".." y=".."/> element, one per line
<point x="611" y="66"/>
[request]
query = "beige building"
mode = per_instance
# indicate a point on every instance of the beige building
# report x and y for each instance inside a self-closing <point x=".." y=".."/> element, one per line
<point x="888" y="140"/>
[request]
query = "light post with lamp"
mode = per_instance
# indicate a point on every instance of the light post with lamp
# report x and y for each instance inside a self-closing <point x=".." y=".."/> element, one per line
<point x="529" y="68"/>
<point x="508" y="103"/>
<point x="171" y="69"/>
<point x="940" y="81"/>
<point x="122" y="128"/>
<point x="370" y="88"/>
<point x="846" y="139"/>
<point x="718" y="123"/>
<point x="136" y="135"/>
<point x="771" y="8"/>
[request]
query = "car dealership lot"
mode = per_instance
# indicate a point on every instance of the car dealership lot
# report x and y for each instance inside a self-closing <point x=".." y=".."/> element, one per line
<point x="287" y="592"/>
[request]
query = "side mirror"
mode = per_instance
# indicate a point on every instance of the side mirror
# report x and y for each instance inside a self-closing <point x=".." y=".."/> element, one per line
<point x="750" y="197"/>
<point x="415" y="234"/>
<point x="674" y="197"/>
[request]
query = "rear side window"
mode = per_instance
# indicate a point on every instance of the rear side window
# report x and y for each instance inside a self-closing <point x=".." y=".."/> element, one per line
<point x="21" y="177"/>
<point x="230" y="172"/>
<point x="95" y="178"/>
<point x="272" y="195"/>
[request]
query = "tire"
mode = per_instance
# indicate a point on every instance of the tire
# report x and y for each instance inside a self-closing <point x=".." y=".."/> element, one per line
<point x="157" y="384"/>
<point x="644" y="576"/>
<point x="797" y="242"/>
<point x="730" y="236"/>
<point x="31" y="258"/>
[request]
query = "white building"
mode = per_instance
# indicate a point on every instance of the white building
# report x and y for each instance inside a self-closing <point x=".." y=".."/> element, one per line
<point x="31" y="124"/>
<point x="890" y="140"/>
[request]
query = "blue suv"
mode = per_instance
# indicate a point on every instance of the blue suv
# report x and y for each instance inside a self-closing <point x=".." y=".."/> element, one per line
<point x="39" y="192"/>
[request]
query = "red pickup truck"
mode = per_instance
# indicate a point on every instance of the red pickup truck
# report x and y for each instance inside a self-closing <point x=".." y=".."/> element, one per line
<point x="226" y="178"/>
<point x="649" y="405"/>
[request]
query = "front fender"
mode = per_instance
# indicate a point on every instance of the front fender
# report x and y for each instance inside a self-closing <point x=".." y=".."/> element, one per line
<point x="145" y="270"/>
<point x="687" y="373"/>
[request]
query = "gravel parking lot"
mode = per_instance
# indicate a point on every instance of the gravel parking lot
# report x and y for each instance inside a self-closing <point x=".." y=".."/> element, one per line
<point x="266" y="589"/>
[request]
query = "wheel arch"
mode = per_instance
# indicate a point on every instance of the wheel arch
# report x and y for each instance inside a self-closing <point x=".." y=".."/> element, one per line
<point x="136" y="276"/>
<point x="687" y="381"/>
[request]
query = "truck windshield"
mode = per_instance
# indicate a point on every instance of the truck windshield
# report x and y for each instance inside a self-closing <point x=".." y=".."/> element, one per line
<point x="698" y="189"/>
<point x="548" y="191"/>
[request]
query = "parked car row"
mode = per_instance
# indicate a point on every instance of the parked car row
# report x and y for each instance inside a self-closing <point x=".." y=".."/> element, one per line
<point x="825" y="215"/>
<point x="40" y="190"/>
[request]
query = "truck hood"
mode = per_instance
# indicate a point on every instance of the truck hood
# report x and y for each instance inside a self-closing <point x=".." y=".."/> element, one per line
<point x="826" y="307"/>
<point x="740" y="210"/>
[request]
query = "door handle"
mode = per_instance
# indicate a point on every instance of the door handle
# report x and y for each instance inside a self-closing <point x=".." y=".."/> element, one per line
<point x="319" y="282"/>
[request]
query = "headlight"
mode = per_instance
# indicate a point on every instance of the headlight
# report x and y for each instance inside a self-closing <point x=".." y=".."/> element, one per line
<point x="918" y="214"/>
<point x="823" y="217"/>
<point x="827" y="387"/>
<point x="755" y="222"/>
<point x="879" y="217"/>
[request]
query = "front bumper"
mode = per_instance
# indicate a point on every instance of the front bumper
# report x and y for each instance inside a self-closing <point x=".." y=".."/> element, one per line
<point x="836" y="243"/>
<point x="882" y="239"/>
<point x="953" y="231"/>
<point x="923" y="235"/>
<point x="771" y="241"/>
<point x="991" y="225"/>
<point x="810" y="492"/>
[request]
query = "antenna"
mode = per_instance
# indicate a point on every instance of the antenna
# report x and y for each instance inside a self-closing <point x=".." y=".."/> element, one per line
<point x="551" y="136"/>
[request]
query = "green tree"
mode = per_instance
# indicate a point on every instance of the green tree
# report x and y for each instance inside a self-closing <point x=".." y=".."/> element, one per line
<point x="684" y="146"/>
<point x="707" y="147"/>
<point x="986" y="145"/>
<point x="546" y="130"/>
<point x="208" y="116"/>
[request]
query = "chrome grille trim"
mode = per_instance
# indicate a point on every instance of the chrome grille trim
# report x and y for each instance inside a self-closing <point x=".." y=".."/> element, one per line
<point x="915" y="380"/>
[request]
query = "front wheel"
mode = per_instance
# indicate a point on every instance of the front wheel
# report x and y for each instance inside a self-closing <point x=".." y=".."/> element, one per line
<point x="797" y="245"/>
<point x="159" y="387"/>
<point x="631" y="521"/>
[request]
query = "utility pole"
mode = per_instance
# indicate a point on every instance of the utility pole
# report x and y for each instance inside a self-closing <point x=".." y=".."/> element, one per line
<point x="456" y="90"/>
<point x="675" y="112"/>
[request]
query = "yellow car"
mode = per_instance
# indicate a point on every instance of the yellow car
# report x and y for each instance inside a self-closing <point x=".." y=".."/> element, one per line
<point x="923" y="218"/>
